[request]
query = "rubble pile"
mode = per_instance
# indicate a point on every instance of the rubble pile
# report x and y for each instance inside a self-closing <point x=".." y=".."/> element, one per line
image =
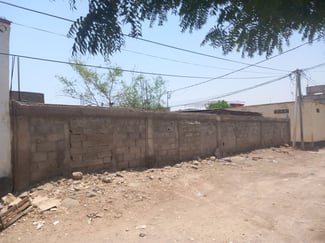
<point x="12" y="208"/>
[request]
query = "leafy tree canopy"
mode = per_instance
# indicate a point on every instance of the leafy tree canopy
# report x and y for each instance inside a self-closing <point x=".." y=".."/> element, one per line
<point x="248" y="26"/>
<point x="107" y="89"/>
<point x="220" y="104"/>
<point x="143" y="93"/>
<point x="94" y="89"/>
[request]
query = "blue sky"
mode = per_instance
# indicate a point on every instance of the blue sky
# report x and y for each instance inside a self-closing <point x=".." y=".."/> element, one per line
<point x="40" y="76"/>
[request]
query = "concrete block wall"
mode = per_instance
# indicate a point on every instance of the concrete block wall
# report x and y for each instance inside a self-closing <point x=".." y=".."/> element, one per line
<point x="52" y="140"/>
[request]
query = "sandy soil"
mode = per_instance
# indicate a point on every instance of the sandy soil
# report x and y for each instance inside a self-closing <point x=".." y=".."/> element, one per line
<point x="269" y="195"/>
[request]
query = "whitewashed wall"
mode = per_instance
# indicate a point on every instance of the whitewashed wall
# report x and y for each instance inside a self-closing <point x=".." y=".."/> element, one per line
<point x="5" y="152"/>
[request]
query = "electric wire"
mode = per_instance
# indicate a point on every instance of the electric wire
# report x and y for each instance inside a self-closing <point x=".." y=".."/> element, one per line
<point x="146" y="40"/>
<point x="135" y="52"/>
<point x="235" y="92"/>
<point x="101" y="67"/>
<point x="314" y="67"/>
<point x="177" y="48"/>
<point x="243" y="68"/>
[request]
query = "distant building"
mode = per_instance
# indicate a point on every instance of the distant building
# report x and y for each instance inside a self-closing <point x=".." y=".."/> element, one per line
<point x="313" y="114"/>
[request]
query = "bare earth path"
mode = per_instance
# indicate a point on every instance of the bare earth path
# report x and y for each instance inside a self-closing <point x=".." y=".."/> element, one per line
<point x="269" y="195"/>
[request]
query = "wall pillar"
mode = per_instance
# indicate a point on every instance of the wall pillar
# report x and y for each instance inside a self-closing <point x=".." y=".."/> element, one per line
<point x="5" y="141"/>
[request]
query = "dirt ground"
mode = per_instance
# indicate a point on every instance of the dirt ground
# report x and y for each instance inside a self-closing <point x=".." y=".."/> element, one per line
<point x="269" y="195"/>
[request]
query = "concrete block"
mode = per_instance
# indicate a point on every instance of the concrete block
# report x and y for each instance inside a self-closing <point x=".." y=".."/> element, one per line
<point x="55" y="137"/>
<point x="39" y="156"/>
<point x="46" y="147"/>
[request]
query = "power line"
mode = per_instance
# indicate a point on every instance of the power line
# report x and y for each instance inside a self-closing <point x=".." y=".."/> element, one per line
<point x="181" y="49"/>
<point x="110" y="68"/>
<point x="39" y="29"/>
<point x="252" y="87"/>
<point x="149" y="41"/>
<point x="203" y="54"/>
<point x="243" y="68"/>
<point x="314" y="67"/>
<point x="183" y="62"/>
<point x="236" y="92"/>
<point x="131" y="51"/>
<point x="135" y="52"/>
<point x="38" y="12"/>
<point x="100" y="67"/>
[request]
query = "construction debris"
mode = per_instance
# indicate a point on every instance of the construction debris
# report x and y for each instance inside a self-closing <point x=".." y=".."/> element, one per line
<point x="45" y="203"/>
<point x="13" y="209"/>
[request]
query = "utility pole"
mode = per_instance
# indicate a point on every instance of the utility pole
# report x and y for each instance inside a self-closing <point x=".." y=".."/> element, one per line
<point x="294" y="130"/>
<point x="169" y="95"/>
<point x="300" y="101"/>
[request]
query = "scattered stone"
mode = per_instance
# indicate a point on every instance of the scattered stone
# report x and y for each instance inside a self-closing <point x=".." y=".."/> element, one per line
<point x="91" y="194"/>
<point x="56" y="222"/>
<point x="76" y="188"/>
<point x="195" y="162"/>
<point x="107" y="180"/>
<point x="256" y="158"/>
<point x="194" y="167"/>
<point x="213" y="158"/>
<point x="69" y="203"/>
<point x="77" y="175"/>
<point x="199" y="194"/>
<point x="228" y="160"/>
<point x="39" y="224"/>
<point x="142" y="234"/>
<point x="151" y="177"/>
<point x="142" y="226"/>
<point x="118" y="175"/>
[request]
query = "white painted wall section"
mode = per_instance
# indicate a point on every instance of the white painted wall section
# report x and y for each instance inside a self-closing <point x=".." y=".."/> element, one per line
<point x="5" y="137"/>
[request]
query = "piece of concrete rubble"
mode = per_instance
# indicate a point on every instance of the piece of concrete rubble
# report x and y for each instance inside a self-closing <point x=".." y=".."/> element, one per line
<point x="107" y="179"/>
<point x="48" y="204"/>
<point x="69" y="203"/>
<point x="194" y="167"/>
<point x="195" y="162"/>
<point x="118" y="175"/>
<point x="91" y="194"/>
<point x="77" y="175"/>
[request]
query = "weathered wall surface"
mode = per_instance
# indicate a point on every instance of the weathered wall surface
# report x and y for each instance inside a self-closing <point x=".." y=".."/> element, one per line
<point x="5" y="140"/>
<point x="52" y="140"/>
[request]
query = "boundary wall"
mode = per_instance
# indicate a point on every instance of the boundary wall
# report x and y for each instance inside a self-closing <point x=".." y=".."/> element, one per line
<point x="54" y="140"/>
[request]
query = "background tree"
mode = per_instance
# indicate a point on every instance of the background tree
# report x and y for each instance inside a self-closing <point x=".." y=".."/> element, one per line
<point x="108" y="90"/>
<point x="94" y="89"/>
<point x="220" y="104"/>
<point x="143" y="94"/>
<point x="251" y="27"/>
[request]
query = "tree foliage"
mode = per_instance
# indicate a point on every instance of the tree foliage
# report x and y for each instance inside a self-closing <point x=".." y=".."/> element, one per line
<point x="248" y="26"/>
<point x="143" y="94"/>
<point x="95" y="89"/>
<point x="220" y="104"/>
<point x="108" y="89"/>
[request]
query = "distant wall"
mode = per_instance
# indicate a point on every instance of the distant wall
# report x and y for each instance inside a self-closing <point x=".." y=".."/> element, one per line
<point x="313" y="117"/>
<point x="52" y="140"/>
<point x="29" y="97"/>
